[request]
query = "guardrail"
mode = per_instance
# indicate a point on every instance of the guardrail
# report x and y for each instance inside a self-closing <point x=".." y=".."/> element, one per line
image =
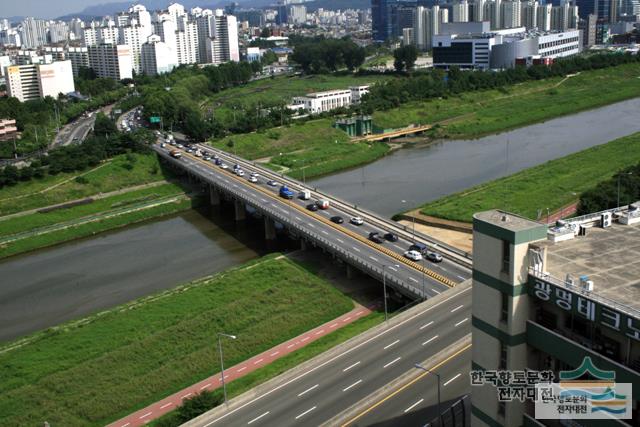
<point x="454" y="254"/>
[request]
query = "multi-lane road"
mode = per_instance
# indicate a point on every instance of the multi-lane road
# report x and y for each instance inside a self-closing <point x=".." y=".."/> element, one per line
<point x="318" y="393"/>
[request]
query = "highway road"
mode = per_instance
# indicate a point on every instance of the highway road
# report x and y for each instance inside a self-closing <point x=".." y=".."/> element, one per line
<point x="416" y="402"/>
<point x="77" y="130"/>
<point x="262" y="195"/>
<point x="317" y="394"/>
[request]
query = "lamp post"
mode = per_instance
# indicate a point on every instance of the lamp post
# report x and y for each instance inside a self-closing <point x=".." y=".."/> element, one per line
<point x="419" y="366"/>
<point x="384" y="289"/>
<point x="413" y="218"/>
<point x="224" y="386"/>
<point x="619" y="175"/>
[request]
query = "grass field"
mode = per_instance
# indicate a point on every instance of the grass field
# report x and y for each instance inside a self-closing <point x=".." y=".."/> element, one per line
<point x="314" y="146"/>
<point x="93" y="372"/>
<point x="475" y="114"/>
<point x="109" y="176"/>
<point x="551" y="185"/>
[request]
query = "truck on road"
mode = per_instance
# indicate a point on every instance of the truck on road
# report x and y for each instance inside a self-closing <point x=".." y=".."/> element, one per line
<point x="175" y="154"/>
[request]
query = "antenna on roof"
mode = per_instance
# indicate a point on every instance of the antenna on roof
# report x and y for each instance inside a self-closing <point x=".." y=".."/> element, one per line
<point x="506" y="177"/>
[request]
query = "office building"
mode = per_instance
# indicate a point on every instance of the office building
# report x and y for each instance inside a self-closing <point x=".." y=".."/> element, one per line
<point x="402" y="16"/>
<point x="546" y="299"/>
<point x="111" y="61"/>
<point x="381" y="23"/>
<point x="28" y="82"/>
<point x="282" y="16"/>
<point x="157" y="57"/>
<point x="588" y="27"/>
<point x="79" y="57"/>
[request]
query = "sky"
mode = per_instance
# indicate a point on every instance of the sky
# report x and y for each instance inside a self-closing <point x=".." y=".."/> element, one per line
<point x="45" y="8"/>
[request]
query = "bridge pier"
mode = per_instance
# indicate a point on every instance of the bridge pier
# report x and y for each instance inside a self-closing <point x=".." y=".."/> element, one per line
<point x="214" y="196"/>
<point x="241" y="212"/>
<point x="303" y="244"/>
<point x="351" y="272"/>
<point x="269" y="229"/>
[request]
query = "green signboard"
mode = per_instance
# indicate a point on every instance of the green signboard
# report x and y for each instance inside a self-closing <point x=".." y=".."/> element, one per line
<point x="154" y="119"/>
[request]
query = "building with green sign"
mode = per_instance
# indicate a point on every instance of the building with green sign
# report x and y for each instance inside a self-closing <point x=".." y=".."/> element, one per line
<point x="545" y="299"/>
<point x="355" y="126"/>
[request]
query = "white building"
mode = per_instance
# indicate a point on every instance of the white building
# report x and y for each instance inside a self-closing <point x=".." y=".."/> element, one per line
<point x="543" y="22"/>
<point x="222" y="44"/>
<point x="33" y="32"/>
<point x="58" y="31"/>
<point x="157" y="57"/>
<point x="320" y="102"/>
<point x="297" y="14"/>
<point x="511" y="14"/>
<point x="27" y="82"/>
<point x="79" y="57"/>
<point x="10" y="37"/>
<point x="357" y="92"/>
<point x="460" y="11"/>
<point x="187" y="44"/>
<point x="112" y="61"/>
<point x="133" y="36"/>
<point x="76" y="26"/>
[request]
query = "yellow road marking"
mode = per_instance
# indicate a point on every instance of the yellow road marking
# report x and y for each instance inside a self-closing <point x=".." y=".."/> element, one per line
<point x="440" y="278"/>
<point x="380" y="402"/>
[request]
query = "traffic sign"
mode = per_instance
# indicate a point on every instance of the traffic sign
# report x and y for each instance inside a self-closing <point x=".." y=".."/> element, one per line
<point x="154" y="119"/>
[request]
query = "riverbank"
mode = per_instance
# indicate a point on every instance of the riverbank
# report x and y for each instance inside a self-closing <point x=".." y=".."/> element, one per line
<point x="552" y="185"/>
<point x="159" y="344"/>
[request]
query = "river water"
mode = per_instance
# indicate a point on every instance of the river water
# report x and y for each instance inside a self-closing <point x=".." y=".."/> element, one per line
<point x="69" y="281"/>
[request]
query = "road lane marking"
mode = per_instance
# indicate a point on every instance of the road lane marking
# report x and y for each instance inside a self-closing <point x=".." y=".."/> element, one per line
<point x="426" y="324"/>
<point x="274" y="353"/>
<point x="305" y="412"/>
<point x="430" y="339"/>
<point x="352" y="385"/>
<point x="413" y="406"/>
<point x="457" y="308"/>
<point x="346" y="319"/>
<point x="340" y="240"/>
<point x="447" y="383"/>
<point x="241" y="369"/>
<point x="205" y="386"/>
<point x="304" y="339"/>
<point x="291" y="345"/>
<point x="401" y="248"/>
<point x="355" y="249"/>
<point x="125" y="425"/>
<point x="146" y="415"/>
<point x="437" y="292"/>
<point x="346" y="352"/>
<point x="166" y="405"/>
<point x="392" y="268"/>
<point x="373" y="258"/>
<point x="298" y="218"/>
<point x="413" y="280"/>
<point x="186" y="395"/>
<point x="258" y="361"/>
<point x="308" y="390"/>
<point x="324" y="232"/>
<point x="461" y="322"/>
<point x="392" y="344"/>
<point x="460" y="277"/>
<point x="258" y="417"/>
<point x="392" y="362"/>
<point x="333" y="325"/>
<point x="351" y="366"/>
<point x="359" y="313"/>
<point x="319" y="332"/>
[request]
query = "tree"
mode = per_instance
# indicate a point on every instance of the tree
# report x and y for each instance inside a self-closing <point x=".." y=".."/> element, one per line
<point x="104" y="126"/>
<point x="405" y="58"/>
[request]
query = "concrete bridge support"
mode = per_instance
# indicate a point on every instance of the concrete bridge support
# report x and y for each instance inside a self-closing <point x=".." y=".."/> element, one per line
<point x="303" y="244"/>
<point x="214" y="196"/>
<point x="269" y="229"/>
<point x="351" y="272"/>
<point x="241" y="212"/>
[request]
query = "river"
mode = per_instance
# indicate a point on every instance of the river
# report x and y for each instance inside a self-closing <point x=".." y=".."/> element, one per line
<point x="69" y="281"/>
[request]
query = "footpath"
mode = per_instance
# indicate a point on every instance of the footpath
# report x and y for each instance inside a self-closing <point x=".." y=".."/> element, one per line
<point x="157" y="409"/>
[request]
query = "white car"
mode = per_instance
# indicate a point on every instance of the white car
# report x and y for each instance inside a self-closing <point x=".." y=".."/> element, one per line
<point x="224" y="166"/>
<point x="413" y="255"/>
<point x="253" y="179"/>
<point x="356" y="220"/>
<point x="240" y="172"/>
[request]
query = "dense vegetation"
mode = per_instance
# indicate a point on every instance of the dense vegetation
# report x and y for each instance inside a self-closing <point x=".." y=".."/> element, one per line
<point x="321" y="56"/>
<point x="605" y="195"/>
<point x="404" y="58"/>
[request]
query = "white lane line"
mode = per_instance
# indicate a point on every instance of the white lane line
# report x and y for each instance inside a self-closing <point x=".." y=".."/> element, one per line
<point x="429" y="340"/>
<point x="399" y="247"/>
<point x="460" y="277"/>
<point x="346" y="319"/>
<point x="392" y="344"/>
<point x="340" y="240"/>
<point x="265" y="201"/>
<point x="413" y="406"/>
<point x="308" y="390"/>
<point x="359" y="313"/>
<point x="319" y="332"/>
<point x="258" y="417"/>
<point x="304" y="339"/>
<point x="413" y="280"/>
<point x="426" y="324"/>
<point x="241" y="369"/>
<point x="298" y="218"/>
<point x="125" y="425"/>
<point x="373" y="258"/>
<point x="166" y="405"/>
<point x="461" y="322"/>
<point x="291" y="345"/>
<point x="392" y="268"/>
<point x="258" y="361"/>
<point x="146" y="415"/>
<point x="205" y="386"/>
<point x="274" y="353"/>
<point x="457" y="308"/>
<point x="437" y="292"/>
<point x="305" y="412"/>
<point x="355" y="249"/>
<point x="447" y="383"/>
<point x="311" y="225"/>
<point x="186" y="395"/>
<point x="352" y="385"/>
<point x="324" y="232"/>
<point x="333" y="325"/>
<point x="351" y="366"/>
<point x="392" y="362"/>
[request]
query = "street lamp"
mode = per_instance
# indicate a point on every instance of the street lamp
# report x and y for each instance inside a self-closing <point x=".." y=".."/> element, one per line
<point x="384" y="289"/>
<point x="619" y="175"/>
<point x="224" y="386"/>
<point x="419" y="366"/>
<point x="413" y="218"/>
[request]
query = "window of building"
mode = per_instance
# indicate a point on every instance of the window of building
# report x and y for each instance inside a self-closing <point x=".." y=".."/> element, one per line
<point x="503" y="356"/>
<point x="504" y="307"/>
<point x="506" y="256"/>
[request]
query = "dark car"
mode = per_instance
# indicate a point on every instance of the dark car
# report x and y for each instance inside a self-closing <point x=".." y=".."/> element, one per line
<point x="374" y="236"/>
<point x="337" y="219"/>
<point x="420" y="247"/>
<point x="312" y="207"/>
<point x="391" y="237"/>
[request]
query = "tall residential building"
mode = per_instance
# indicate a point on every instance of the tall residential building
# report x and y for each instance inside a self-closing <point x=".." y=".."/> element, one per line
<point x="79" y="57"/>
<point x="143" y="18"/>
<point x="10" y="37"/>
<point x="422" y="28"/>
<point x="76" y="26"/>
<point x="588" y="27"/>
<point x="157" y="57"/>
<point x="205" y="23"/>
<point x="133" y="36"/>
<point x="544" y="17"/>
<point x="166" y="28"/>
<point x="27" y="82"/>
<point x="58" y="31"/>
<point x="110" y="60"/>
<point x="511" y="14"/>
<point x="187" y="46"/>
<point x="496" y="16"/>
<point x="478" y="11"/>
<point x="176" y="10"/>
<point x="297" y="14"/>
<point x="34" y="32"/>
<point x="381" y="25"/>
<point x="222" y="45"/>
<point x="460" y="11"/>
<point x="530" y="15"/>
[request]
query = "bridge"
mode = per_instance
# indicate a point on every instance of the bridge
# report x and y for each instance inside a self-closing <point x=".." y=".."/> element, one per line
<point x="348" y="242"/>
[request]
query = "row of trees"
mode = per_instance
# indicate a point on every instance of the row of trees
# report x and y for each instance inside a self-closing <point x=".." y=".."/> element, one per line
<point x="321" y="56"/>
<point x="605" y="195"/>
<point x="437" y="83"/>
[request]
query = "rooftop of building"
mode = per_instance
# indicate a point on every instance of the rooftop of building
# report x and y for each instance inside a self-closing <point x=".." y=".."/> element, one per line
<point x="607" y="256"/>
<point x="507" y="220"/>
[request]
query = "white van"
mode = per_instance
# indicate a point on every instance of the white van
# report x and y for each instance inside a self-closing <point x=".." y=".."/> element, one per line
<point x="304" y="195"/>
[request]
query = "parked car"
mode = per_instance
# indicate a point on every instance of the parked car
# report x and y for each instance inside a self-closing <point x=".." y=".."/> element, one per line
<point x="434" y="256"/>
<point x="374" y="236"/>
<point x="312" y="207"/>
<point x="356" y="220"/>
<point x="413" y="255"/>
<point x="337" y="219"/>
<point x="391" y="237"/>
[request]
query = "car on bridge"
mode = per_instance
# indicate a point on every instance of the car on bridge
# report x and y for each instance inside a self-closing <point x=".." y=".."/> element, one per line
<point x="272" y="183"/>
<point x="312" y="207"/>
<point x="374" y="236"/>
<point x="356" y="220"/>
<point x="285" y="192"/>
<point x="253" y="179"/>
<point x="337" y="219"/>
<point x="392" y="237"/>
<point x="433" y="256"/>
<point x="413" y="255"/>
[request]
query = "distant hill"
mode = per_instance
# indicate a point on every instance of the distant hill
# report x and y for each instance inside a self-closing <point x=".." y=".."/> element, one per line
<point x="338" y="4"/>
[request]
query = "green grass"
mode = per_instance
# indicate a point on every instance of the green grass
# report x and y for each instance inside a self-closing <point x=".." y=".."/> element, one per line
<point x="475" y="114"/>
<point x="277" y="367"/>
<point x="110" y="177"/>
<point x="552" y="185"/>
<point x="94" y="372"/>
<point x="314" y="145"/>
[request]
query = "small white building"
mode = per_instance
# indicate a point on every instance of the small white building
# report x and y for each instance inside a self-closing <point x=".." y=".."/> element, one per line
<point x="320" y="102"/>
<point x="357" y="92"/>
